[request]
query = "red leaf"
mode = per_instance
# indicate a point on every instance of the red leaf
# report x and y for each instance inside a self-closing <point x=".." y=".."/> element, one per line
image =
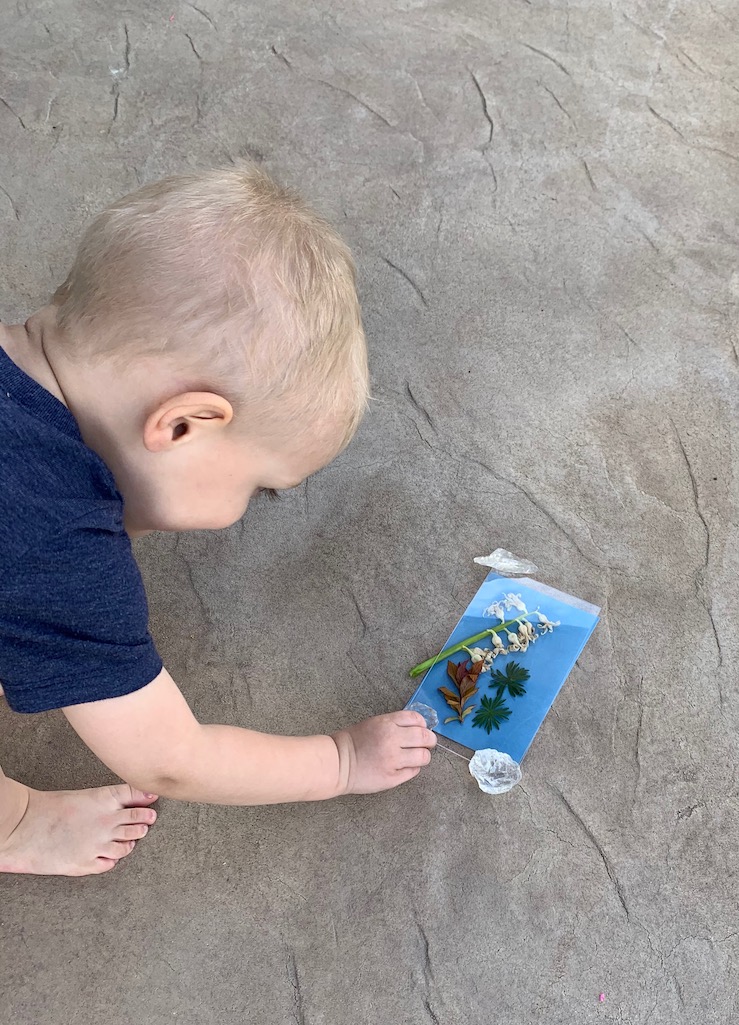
<point x="462" y="671"/>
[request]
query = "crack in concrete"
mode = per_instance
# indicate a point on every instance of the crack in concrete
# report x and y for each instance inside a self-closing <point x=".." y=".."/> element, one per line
<point x="203" y="14"/>
<point x="702" y="571"/>
<point x="542" y="509"/>
<point x="10" y="199"/>
<point x="665" y="121"/>
<point x="281" y="56"/>
<point x="18" y="118"/>
<point x="421" y="409"/>
<point x="294" y="979"/>
<point x="649" y="32"/>
<point x="610" y="871"/>
<point x="556" y="99"/>
<point x="715" y="149"/>
<point x="637" y="739"/>
<point x="116" y="89"/>
<point x="427" y="972"/>
<point x="430" y="1012"/>
<point x="584" y="163"/>
<point x="644" y="235"/>
<point x="417" y="429"/>
<point x="347" y="92"/>
<point x="193" y="585"/>
<point x="192" y="46"/>
<point x="126" y="50"/>
<point x="486" y="112"/>
<point x="357" y="606"/>
<point x="548" y="56"/>
<point x="408" y="278"/>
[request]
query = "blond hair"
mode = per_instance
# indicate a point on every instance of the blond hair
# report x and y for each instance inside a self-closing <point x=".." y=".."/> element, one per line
<point x="235" y="278"/>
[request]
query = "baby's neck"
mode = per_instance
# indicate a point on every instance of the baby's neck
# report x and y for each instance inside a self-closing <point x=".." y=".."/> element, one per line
<point x="24" y="343"/>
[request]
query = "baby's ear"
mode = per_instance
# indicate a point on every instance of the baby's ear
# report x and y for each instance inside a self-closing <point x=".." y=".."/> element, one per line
<point x="183" y="417"/>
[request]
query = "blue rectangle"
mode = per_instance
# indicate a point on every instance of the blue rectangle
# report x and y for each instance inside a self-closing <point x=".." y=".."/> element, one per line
<point x="549" y="661"/>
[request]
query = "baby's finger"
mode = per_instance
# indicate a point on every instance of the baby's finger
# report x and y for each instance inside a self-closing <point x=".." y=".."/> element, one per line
<point x="417" y="736"/>
<point x="407" y="718"/>
<point x="416" y="756"/>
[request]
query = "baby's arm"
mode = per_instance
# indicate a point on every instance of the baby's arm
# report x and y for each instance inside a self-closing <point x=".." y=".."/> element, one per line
<point x="152" y="740"/>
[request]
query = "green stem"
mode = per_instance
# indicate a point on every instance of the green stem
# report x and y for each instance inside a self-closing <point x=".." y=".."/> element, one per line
<point x="447" y="652"/>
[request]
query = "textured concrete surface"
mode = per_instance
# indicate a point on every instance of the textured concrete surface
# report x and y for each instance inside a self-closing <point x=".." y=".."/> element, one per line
<point x="543" y="202"/>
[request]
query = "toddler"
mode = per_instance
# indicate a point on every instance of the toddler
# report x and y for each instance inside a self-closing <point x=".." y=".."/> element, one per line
<point x="206" y="345"/>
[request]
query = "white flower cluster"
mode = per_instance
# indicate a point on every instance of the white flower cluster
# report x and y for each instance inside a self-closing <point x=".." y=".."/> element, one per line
<point x="519" y="640"/>
<point x="509" y="601"/>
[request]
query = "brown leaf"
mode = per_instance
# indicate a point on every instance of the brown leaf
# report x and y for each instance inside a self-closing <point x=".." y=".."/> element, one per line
<point x="468" y="711"/>
<point x="466" y="687"/>
<point x="462" y="671"/>
<point x="469" y="695"/>
<point x="451" y="668"/>
<point x="449" y="694"/>
<point x="476" y="670"/>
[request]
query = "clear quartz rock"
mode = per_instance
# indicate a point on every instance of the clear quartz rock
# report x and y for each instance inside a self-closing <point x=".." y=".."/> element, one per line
<point x="429" y="713"/>
<point x="495" y="771"/>
<point x="505" y="562"/>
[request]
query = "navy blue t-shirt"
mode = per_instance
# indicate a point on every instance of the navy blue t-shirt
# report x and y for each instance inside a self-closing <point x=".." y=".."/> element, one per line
<point x="73" y="611"/>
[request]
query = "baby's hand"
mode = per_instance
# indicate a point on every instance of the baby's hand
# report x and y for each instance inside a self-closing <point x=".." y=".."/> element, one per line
<point x="383" y="752"/>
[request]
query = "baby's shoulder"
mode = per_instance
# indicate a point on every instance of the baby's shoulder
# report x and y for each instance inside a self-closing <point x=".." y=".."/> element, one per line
<point x="52" y="485"/>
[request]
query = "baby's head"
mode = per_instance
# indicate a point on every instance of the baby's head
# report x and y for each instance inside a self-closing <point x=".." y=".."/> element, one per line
<point x="208" y="339"/>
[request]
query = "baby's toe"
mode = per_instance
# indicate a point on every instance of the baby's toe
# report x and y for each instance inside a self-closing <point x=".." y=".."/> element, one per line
<point x="129" y="796"/>
<point x="103" y="865"/>
<point x="134" y="832"/>
<point x="117" y="849"/>
<point x="130" y="816"/>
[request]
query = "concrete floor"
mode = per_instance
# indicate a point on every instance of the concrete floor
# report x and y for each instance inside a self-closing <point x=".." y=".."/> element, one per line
<point x="542" y="198"/>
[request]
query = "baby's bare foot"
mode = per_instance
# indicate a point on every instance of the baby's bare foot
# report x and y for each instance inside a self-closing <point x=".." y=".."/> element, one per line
<point x="75" y="832"/>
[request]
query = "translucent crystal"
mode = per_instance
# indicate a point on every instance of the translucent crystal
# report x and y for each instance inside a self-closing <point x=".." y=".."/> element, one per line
<point x="495" y="771"/>
<point x="506" y="562"/>
<point x="429" y="713"/>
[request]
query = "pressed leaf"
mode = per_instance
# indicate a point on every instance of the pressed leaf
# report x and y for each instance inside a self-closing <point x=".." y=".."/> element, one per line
<point x="452" y="718"/>
<point x="512" y="679"/>
<point x="467" y="687"/>
<point x="464" y="678"/>
<point x="468" y="711"/>
<point x="491" y="713"/>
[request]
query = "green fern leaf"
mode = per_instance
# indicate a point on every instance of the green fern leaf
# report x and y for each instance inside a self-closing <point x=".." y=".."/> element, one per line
<point x="512" y="679"/>
<point x="491" y="713"/>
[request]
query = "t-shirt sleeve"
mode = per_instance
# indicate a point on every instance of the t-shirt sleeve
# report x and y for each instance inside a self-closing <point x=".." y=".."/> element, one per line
<point x="74" y="621"/>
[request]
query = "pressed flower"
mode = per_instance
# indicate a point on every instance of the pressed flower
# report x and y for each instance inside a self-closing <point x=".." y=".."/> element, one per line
<point x="523" y="638"/>
<point x="530" y="632"/>
<point x="545" y="625"/>
<point x="513" y="601"/>
<point x="497" y="610"/>
<point x="454" y="649"/>
<point x="514" y="641"/>
<point x="484" y="655"/>
<point x="477" y="654"/>
<point x="498" y="646"/>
